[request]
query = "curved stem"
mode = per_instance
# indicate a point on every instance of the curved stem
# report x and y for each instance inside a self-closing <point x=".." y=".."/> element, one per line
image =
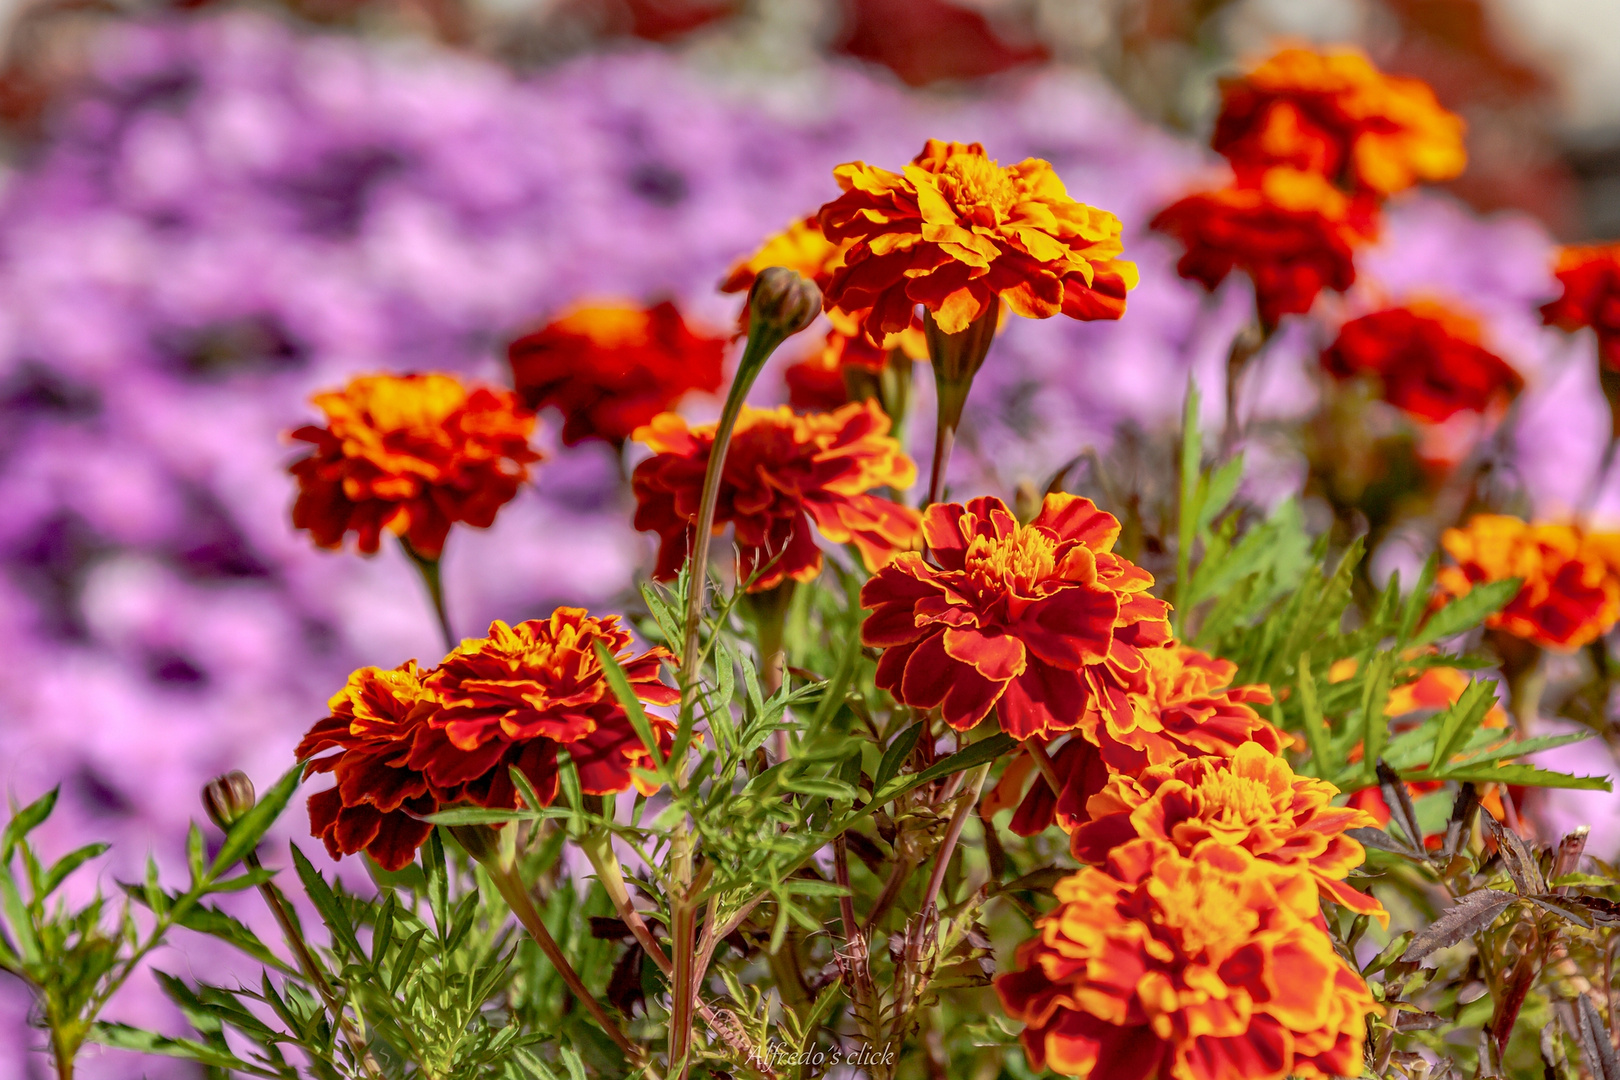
<point x="947" y="848"/>
<point x="431" y="578"/>
<point x="518" y="899"/>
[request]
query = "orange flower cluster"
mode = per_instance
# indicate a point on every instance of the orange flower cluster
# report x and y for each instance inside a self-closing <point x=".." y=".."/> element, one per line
<point x="610" y="368"/>
<point x="1211" y="964"/>
<point x="405" y="743"/>
<point x="1187" y="708"/>
<point x="1427" y="359"/>
<point x="782" y="472"/>
<point x="1251" y="800"/>
<point x="1335" y="114"/>
<point x="1316" y="140"/>
<point x="411" y="454"/>
<point x="1570" y="595"/>
<point x="959" y="234"/>
<point x="1042" y="622"/>
<point x="1590" y="277"/>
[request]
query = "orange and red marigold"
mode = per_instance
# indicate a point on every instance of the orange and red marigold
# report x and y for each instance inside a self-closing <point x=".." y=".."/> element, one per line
<point x="1186" y="707"/>
<point x="1251" y="800"/>
<point x="610" y="368"/>
<point x="1209" y="965"/>
<point x="1569" y="596"/>
<point x="955" y="232"/>
<point x="404" y="744"/>
<point x="1041" y="622"/>
<point x="782" y="473"/>
<point x="410" y="454"/>
<point x="1335" y="114"/>
<point x="1590" y="278"/>
<point x="1291" y="231"/>
<point x="1427" y="359"/>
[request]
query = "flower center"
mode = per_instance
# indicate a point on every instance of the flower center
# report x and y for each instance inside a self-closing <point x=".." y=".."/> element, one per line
<point x="1236" y="800"/>
<point x="978" y="188"/>
<point x="1019" y="561"/>
<point x="1200" y="911"/>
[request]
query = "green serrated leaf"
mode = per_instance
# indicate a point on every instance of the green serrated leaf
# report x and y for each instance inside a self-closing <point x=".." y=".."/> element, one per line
<point x="1467" y="611"/>
<point x="25" y="821"/>
<point x="331" y="912"/>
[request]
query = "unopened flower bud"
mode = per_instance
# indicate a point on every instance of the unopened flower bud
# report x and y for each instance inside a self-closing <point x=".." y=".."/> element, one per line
<point x="783" y="300"/>
<point x="482" y="842"/>
<point x="228" y="797"/>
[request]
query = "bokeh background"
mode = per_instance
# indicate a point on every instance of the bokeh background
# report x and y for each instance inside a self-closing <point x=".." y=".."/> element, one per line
<point x="208" y="211"/>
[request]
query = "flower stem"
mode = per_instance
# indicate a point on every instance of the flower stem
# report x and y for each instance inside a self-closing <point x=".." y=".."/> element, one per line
<point x="1043" y="761"/>
<point x="1245" y="346"/>
<point x="429" y="569"/>
<point x="518" y="899"/>
<point x="956" y="359"/>
<point x="947" y="848"/>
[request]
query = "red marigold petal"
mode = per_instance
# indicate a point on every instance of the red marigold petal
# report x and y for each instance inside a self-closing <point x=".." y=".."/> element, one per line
<point x="928" y="673"/>
<point x="398" y="837"/>
<point x="1042" y="701"/>
<point x="1071" y="628"/>
<point x="1073" y="517"/>
<point x="994" y="654"/>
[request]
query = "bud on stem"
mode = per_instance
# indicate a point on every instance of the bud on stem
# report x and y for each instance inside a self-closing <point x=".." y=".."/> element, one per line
<point x="228" y="797"/>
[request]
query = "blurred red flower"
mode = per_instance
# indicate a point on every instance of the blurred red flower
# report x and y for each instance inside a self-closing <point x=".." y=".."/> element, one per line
<point x="1335" y="114"/>
<point x="782" y="473"/>
<point x="411" y="454"/>
<point x="1427" y="359"/>
<point x="610" y="368"/>
<point x="1042" y="622"/>
<point x="1569" y="596"/>
<point x="925" y="41"/>
<point x="1590" y="277"/>
<point x="1292" y="232"/>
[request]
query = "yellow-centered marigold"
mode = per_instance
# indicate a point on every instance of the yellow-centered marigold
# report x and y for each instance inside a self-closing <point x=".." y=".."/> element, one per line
<point x="410" y="454"/>
<point x="1569" y="596"/>
<point x="1251" y="800"/>
<point x="954" y="231"/>
<point x="1211" y="965"/>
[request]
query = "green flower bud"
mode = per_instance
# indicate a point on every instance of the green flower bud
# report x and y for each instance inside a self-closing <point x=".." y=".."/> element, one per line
<point x="228" y="797"/>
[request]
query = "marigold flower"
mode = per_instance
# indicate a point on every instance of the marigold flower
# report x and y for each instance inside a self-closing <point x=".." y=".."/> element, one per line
<point x="1042" y="622"/>
<point x="1336" y="114"/>
<point x="1426" y="357"/>
<point x="1590" y="276"/>
<point x="818" y="384"/>
<point x="1251" y="800"/>
<point x="954" y="231"/>
<point x="404" y="744"/>
<point x="1187" y="708"/>
<point x="1211" y="965"/>
<point x="411" y="454"/>
<point x="1569" y="597"/>
<point x="610" y="368"/>
<point x="383" y="745"/>
<point x="1292" y="232"/>
<point x="782" y="473"/>
<point x="541" y="681"/>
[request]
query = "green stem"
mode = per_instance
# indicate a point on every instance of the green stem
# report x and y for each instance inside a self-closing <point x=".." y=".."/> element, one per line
<point x="956" y="359"/>
<point x="431" y="578"/>
<point x="942" y="860"/>
<point x="518" y="899"/>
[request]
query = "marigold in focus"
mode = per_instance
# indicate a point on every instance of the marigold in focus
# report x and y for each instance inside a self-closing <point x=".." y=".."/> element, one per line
<point x="1041" y="622"/>
<point x="782" y="473"/>
<point x="1569" y="596"/>
<point x="1251" y="800"/>
<point x="1427" y="359"/>
<point x="1590" y="277"/>
<point x="1336" y="114"/>
<point x="541" y="682"/>
<point x="1292" y="232"/>
<point x="410" y="454"/>
<point x="404" y="744"/>
<point x="954" y="231"/>
<point x="1187" y="707"/>
<point x="1165" y="966"/>
<point x="610" y="368"/>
